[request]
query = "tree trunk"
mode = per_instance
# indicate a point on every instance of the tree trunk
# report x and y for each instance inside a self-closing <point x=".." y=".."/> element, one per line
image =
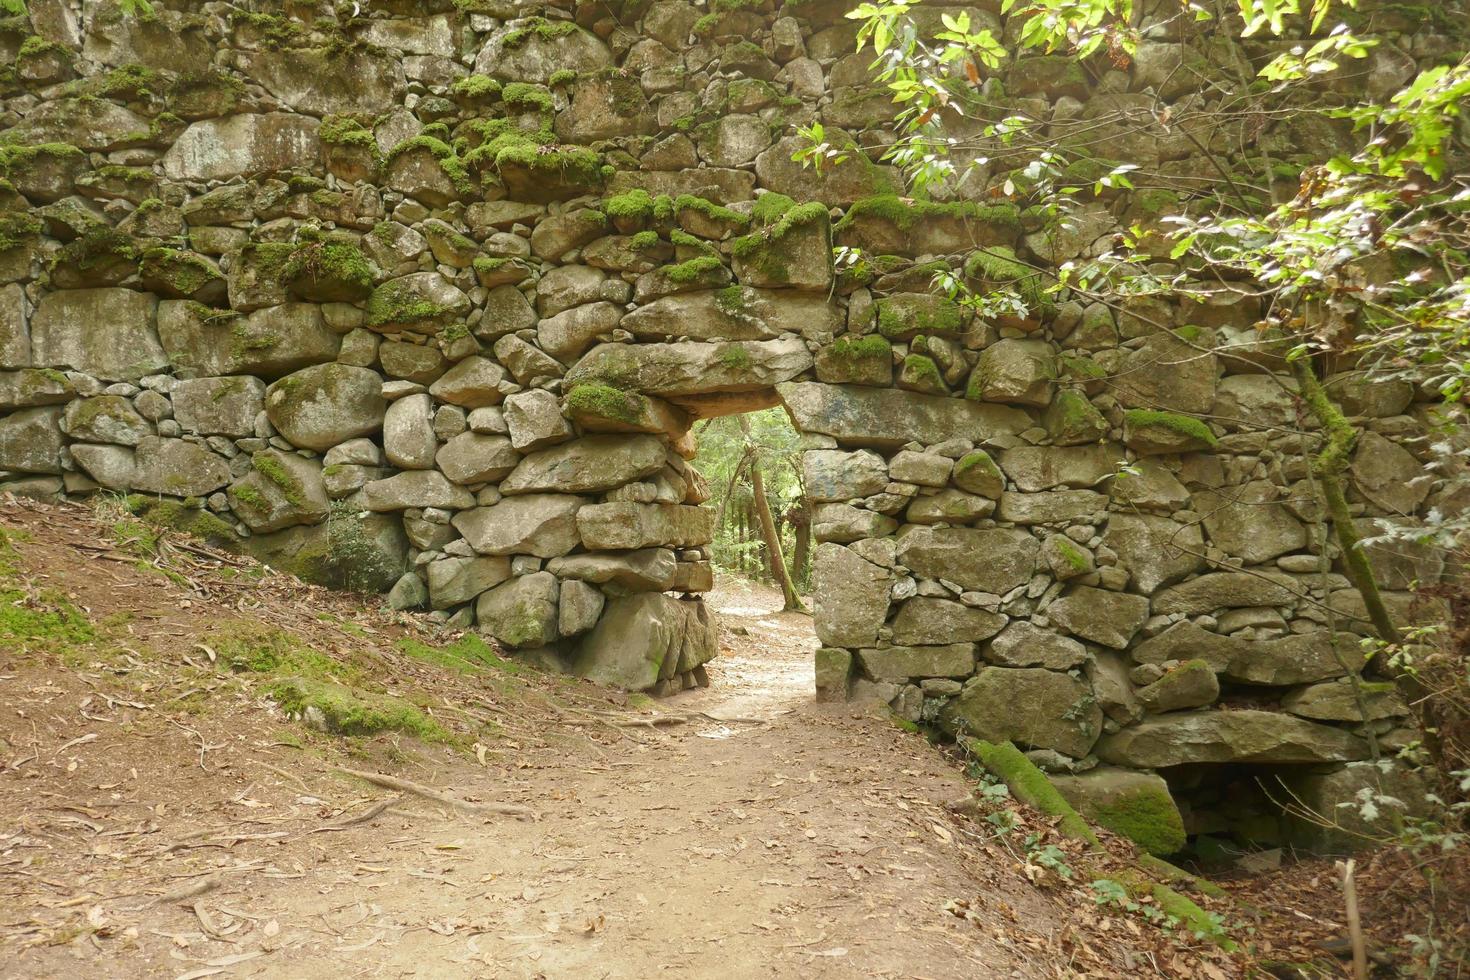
<point x="1328" y="466"/>
<point x="791" y="601"/>
<point x="801" y="554"/>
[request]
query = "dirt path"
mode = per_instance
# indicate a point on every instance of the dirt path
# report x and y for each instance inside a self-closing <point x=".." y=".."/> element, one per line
<point x="769" y="836"/>
<point x="810" y="845"/>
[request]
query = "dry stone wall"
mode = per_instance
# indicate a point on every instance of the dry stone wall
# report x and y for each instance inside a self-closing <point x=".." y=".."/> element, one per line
<point x="425" y="296"/>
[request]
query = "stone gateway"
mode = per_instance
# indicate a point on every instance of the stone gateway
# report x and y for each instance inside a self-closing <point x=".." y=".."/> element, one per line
<point x="432" y="296"/>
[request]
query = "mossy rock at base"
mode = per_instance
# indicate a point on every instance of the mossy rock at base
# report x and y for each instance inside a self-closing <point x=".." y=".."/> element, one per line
<point x="1132" y="804"/>
<point x="181" y="516"/>
<point x="340" y="710"/>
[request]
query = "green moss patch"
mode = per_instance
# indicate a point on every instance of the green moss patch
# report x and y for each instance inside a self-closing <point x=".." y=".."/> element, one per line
<point x="1186" y="426"/>
<point x="905" y="214"/>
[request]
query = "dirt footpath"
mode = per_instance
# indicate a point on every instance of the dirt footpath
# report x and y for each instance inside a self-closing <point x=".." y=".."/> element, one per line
<point x="157" y="819"/>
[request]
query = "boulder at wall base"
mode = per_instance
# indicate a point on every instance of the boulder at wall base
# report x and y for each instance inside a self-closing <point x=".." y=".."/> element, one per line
<point x="1324" y="790"/>
<point x="886" y="418"/>
<point x="1136" y="805"/>
<point x="1228" y="736"/>
<point x="281" y="490"/>
<point x="363" y="553"/>
<point x="521" y="612"/>
<point x="644" y="638"/>
<point x="30" y="442"/>
<point x="1031" y="706"/>
<point x="832" y="667"/>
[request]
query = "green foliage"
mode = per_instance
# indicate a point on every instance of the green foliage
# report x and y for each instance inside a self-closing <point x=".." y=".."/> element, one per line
<point x="43" y="619"/>
<point x="724" y="460"/>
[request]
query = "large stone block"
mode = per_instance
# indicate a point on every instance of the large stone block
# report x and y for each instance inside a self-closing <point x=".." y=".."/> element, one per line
<point x="1109" y="618"/>
<point x="1023" y="644"/>
<point x="326" y="80"/>
<point x="269" y="342"/>
<point x="830" y="474"/>
<point x="177" y="468"/>
<point x="1249" y="522"/>
<point x="280" y="491"/>
<point x="992" y="560"/>
<point x="622" y="525"/>
<point x="319" y="407"/>
<point x="1385" y="474"/>
<point x="1135" y="805"/>
<point x="107" y="419"/>
<point x="587" y="465"/>
<point x="217" y="149"/>
<point x="851" y="597"/>
<point x="15" y="334"/>
<point x="533" y="54"/>
<point x="540" y="524"/>
<point x="644" y="638"/>
<point x="1219" y="590"/>
<point x="886" y="418"/>
<point x="1031" y="706"/>
<point x="521" y="612"/>
<point x="899" y="663"/>
<point x="645" y="570"/>
<point x="408" y="433"/>
<point x="692" y="368"/>
<point x="453" y="581"/>
<point x="1243" y="735"/>
<point x="416" y="488"/>
<point x="219" y="406"/>
<point x="30" y="441"/>
<point x="735" y="313"/>
<point x="924" y="621"/>
<point x="475" y="457"/>
<point x="1035" y="468"/>
<point x="1155" y="550"/>
<point x="107" y="333"/>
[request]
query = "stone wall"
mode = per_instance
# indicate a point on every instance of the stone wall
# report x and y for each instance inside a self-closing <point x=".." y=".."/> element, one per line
<point x="429" y="297"/>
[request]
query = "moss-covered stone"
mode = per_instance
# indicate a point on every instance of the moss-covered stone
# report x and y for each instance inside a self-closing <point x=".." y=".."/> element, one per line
<point x="182" y="275"/>
<point x="329" y="271"/>
<point x="907" y="315"/>
<point x="1149" y="431"/>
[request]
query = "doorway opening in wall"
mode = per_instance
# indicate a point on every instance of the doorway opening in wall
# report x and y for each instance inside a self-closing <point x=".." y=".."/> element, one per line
<point x="762" y="519"/>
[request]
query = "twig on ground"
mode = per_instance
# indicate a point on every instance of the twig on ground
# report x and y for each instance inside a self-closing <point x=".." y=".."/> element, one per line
<point x="429" y="793"/>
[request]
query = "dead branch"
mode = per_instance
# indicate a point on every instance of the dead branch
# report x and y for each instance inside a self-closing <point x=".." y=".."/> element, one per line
<point x="429" y="793"/>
